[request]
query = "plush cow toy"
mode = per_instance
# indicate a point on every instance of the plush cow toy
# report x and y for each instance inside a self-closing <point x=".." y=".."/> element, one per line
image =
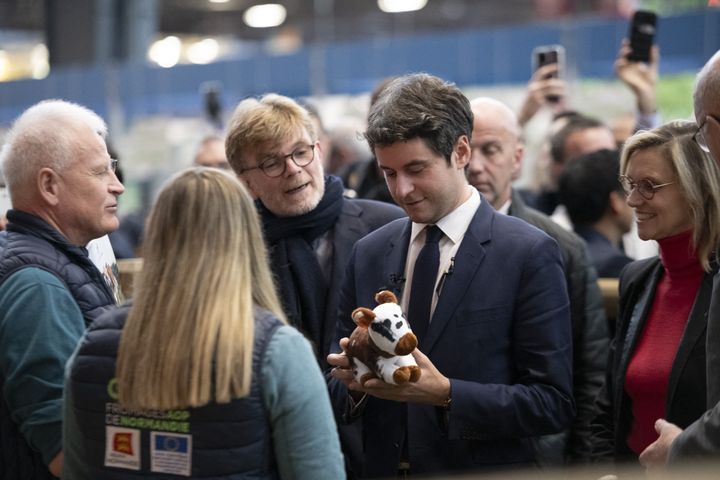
<point x="381" y="344"/>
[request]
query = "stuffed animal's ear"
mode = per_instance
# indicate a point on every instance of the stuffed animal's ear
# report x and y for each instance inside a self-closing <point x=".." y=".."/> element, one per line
<point x="363" y="316"/>
<point x="385" y="296"/>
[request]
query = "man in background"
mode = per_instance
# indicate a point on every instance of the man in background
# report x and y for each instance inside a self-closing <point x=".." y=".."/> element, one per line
<point x="598" y="209"/>
<point x="211" y="153"/>
<point x="497" y="155"/>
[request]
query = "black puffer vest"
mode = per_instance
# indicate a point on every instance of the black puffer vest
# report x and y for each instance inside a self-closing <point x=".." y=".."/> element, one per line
<point x="31" y="242"/>
<point x="216" y="441"/>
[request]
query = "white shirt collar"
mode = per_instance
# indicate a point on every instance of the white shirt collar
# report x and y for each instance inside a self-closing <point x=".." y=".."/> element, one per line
<point x="505" y="208"/>
<point x="455" y="223"/>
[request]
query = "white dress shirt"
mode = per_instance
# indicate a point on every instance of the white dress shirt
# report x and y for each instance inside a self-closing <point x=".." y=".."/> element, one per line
<point x="453" y="225"/>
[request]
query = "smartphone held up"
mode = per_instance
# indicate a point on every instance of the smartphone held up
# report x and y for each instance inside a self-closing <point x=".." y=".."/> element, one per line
<point x="643" y="28"/>
<point x="550" y="55"/>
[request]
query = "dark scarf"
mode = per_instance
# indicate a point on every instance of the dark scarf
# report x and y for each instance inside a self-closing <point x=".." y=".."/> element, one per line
<point x="301" y="283"/>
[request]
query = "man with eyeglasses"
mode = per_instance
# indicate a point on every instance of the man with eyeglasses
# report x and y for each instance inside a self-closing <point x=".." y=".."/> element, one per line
<point x="701" y="440"/>
<point x="310" y="227"/>
<point x="707" y="107"/>
<point x="64" y="194"/>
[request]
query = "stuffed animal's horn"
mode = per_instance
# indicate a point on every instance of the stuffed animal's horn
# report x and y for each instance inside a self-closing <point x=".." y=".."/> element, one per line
<point x="385" y="296"/>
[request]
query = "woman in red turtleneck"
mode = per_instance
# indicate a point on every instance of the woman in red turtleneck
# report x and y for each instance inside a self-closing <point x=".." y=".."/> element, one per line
<point x="657" y="360"/>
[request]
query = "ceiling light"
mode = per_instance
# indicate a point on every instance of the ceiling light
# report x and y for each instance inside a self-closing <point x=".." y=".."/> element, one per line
<point x="219" y="1"/>
<point x="166" y="52"/>
<point x="263" y="16"/>
<point x="204" y="51"/>
<point x="3" y="64"/>
<point x="39" y="62"/>
<point x="395" y="6"/>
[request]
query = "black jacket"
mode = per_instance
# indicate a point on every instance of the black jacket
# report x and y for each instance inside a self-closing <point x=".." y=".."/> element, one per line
<point x="590" y="337"/>
<point x="686" y="389"/>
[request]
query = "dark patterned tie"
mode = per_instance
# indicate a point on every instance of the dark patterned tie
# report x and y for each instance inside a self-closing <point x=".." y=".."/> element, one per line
<point x="423" y="282"/>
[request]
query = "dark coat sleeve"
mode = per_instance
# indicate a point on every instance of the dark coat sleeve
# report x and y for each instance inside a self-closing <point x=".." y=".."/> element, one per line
<point x="700" y="440"/>
<point x="603" y="439"/>
<point x="702" y="437"/>
<point x="591" y="338"/>
<point x="591" y="341"/>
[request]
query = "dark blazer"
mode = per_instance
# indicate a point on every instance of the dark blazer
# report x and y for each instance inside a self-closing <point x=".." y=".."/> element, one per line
<point x="357" y="219"/>
<point x="608" y="260"/>
<point x="591" y="337"/>
<point x="686" y="389"/>
<point x="500" y="332"/>
<point x="702" y="437"/>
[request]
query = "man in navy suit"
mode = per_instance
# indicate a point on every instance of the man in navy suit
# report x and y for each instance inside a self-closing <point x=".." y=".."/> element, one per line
<point x="496" y="355"/>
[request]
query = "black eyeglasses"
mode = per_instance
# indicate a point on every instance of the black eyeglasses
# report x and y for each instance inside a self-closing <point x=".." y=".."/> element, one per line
<point x="699" y="136"/>
<point x="644" y="187"/>
<point x="275" y="166"/>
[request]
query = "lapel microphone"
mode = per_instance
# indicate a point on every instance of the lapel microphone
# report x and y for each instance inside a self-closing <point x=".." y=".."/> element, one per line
<point x="396" y="283"/>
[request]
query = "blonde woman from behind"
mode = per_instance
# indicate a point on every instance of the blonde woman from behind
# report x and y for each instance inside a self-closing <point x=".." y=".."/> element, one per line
<point x="201" y="376"/>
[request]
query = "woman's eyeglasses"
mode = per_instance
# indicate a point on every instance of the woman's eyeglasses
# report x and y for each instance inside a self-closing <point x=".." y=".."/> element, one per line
<point x="644" y="187"/>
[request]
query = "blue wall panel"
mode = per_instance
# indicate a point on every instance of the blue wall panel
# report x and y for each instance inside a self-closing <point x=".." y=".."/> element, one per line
<point x="499" y="55"/>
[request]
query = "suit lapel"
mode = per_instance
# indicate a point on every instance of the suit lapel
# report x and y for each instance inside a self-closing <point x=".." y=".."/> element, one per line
<point x="467" y="263"/>
<point x="348" y="229"/>
<point x="345" y="232"/>
<point x="393" y="265"/>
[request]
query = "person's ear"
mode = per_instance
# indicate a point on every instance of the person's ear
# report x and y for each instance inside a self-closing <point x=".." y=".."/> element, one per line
<point x="462" y="151"/>
<point x="47" y="181"/>
<point x="249" y="185"/>
<point x="319" y="152"/>
<point x="712" y="136"/>
<point x="517" y="161"/>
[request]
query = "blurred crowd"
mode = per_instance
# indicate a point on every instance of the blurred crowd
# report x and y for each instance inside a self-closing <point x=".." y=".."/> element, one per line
<point x="254" y="345"/>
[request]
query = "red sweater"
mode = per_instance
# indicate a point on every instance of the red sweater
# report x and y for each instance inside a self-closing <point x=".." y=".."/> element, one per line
<point x="648" y="374"/>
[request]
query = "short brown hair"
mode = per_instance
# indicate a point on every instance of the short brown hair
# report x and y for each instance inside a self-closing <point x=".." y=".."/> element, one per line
<point x="256" y="122"/>
<point x="420" y="106"/>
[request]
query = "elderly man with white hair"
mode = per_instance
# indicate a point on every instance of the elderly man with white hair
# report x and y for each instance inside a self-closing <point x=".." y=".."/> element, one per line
<point x="64" y="193"/>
